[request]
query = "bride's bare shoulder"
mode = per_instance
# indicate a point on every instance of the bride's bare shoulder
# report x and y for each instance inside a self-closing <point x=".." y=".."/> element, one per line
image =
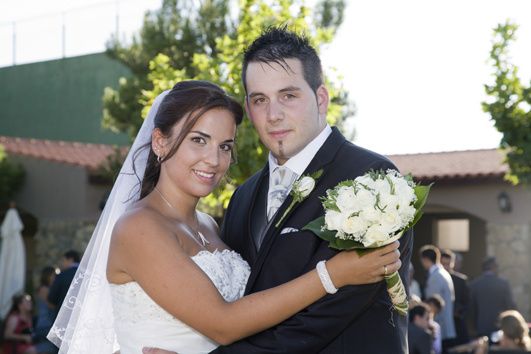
<point x="139" y="221"/>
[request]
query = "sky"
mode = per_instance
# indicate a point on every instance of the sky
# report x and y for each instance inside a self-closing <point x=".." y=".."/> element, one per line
<point x="415" y="69"/>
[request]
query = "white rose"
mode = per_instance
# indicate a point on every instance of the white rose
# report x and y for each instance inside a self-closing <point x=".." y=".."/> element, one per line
<point x="354" y="225"/>
<point x="407" y="213"/>
<point x="365" y="180"/>
<point x="389" y="201"/>
<point x="375" y="236"/>
<point x="305" y="186"/>
<point x="346" y="200"/>
<point x="382" y="186"/>
<point x="391" y="221"/>
<point x="365" y="198"/>
<point x="370" y="214"/>
<point x="333" y="220"/>
<point x="403" y="190"/>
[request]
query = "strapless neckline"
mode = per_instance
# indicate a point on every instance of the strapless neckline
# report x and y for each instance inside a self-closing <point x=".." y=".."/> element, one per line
<point x="139" y="321"/>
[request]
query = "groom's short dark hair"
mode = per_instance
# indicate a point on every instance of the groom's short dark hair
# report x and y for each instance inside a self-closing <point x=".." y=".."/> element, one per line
<point x="276" y="44"/>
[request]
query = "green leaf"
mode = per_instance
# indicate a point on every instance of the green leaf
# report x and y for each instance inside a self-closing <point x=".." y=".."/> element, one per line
<point x="317" y="174"/>
<point x="340" y="244"/>
<point x="316" y="225"/>
<point x="422" y="193"/>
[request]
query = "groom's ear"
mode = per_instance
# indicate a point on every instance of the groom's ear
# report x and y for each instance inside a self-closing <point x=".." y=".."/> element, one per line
<point x="247" y="110"/>
<point x="323" y="99"/>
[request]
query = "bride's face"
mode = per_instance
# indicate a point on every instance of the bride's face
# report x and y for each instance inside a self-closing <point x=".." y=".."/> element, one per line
<point x="204" y="156"/>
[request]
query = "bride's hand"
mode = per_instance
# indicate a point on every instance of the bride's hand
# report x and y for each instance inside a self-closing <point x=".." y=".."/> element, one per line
<point x="349" y="268"/>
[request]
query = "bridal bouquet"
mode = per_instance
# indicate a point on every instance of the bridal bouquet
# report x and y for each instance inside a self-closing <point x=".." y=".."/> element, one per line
<point x="372" y="211"/>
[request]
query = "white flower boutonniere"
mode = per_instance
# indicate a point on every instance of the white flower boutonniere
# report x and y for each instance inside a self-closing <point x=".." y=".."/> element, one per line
<point x="301" y="189"/>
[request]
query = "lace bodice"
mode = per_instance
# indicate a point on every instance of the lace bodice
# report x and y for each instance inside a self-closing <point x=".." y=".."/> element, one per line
<point x="140" y="322"/>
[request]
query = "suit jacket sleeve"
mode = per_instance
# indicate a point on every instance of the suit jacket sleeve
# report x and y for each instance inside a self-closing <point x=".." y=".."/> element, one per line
<point x="312" y="329"/>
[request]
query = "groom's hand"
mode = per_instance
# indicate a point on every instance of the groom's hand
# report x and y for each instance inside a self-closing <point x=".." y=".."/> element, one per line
<point x="156" y="351"/>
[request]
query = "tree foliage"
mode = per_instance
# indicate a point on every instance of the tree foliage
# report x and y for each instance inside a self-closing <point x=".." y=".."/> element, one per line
<point x="178" y="29"/>
<point x="11" y="176"/>
<point x="208" y="45"/>
<point x="509" y="105"/>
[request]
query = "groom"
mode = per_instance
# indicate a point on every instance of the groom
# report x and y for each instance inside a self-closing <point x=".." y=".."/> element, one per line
<point x="287" y="103"/>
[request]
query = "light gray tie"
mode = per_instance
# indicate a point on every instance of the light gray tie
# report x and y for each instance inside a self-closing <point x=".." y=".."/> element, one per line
<point x="282" y="178"/>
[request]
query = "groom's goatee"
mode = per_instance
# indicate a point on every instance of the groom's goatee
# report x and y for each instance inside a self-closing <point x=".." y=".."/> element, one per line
<point x="280" y="148"/>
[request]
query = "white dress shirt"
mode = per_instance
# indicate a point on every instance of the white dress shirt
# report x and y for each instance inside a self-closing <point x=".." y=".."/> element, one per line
<point x="298" y="163"/>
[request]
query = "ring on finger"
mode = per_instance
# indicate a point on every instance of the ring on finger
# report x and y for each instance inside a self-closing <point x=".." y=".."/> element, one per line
<point x="385" y="270"/>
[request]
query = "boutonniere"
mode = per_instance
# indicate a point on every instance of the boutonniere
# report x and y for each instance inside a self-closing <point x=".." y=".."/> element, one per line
<point x="301" y="189"/>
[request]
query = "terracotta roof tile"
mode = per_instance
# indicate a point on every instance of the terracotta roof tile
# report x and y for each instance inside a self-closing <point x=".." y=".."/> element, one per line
<point x="81" y="154"/>
<point x="468" y="165"/>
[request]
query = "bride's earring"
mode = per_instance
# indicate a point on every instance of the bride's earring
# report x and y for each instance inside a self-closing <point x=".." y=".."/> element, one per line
<point x="159" y="155"/>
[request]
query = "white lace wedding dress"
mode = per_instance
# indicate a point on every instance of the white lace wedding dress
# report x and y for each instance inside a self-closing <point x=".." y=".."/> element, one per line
<point x="139" y="322"/>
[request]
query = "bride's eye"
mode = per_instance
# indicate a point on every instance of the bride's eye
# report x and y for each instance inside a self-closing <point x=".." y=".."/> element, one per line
<point x="199" y="140"/>
<point x="226" y="147"/>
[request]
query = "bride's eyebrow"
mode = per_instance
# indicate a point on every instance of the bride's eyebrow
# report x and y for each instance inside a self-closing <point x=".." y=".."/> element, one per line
<point x="204" y="135"/>
<point x="207" y="136"/>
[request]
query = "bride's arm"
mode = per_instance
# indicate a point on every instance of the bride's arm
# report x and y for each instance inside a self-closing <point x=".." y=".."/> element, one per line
<point x="154" y="258"/>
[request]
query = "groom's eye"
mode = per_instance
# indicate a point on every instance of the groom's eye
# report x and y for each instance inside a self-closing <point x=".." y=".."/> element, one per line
<point x="289" y="96"/>
<point x="259" y="100"/>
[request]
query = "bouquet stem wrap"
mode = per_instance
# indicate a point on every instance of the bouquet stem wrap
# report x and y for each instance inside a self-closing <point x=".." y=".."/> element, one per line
<point x="397" y="293"/>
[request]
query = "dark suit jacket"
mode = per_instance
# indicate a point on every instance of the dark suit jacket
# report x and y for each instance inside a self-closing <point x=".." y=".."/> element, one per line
<point x="357" y="318"/>
<point x="419" y="340"/>
<point x="489" y="296"/>
<point x="461" y="293"/>
<point x="60" y="287"/>
<point x="460" y="306"/>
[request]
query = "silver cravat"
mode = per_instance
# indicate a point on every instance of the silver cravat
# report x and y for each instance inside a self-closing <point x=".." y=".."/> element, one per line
<point x="282" y="178"/>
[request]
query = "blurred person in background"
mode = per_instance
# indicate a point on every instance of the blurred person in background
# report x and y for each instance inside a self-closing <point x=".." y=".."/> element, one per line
<point x="490" y="295"/>
<point x="45" y="313"/>
<point x="18" y="327"/>
<point x="514" y="331"/>
<point x="414" y="287"/>
<point x="61" y="284"/>
<point x="440" y="282"/>
<point x="420" y="338"/>
<point x="436" y="305"/>
<point x="461" y="290"/>
<point x="513" y="337"/>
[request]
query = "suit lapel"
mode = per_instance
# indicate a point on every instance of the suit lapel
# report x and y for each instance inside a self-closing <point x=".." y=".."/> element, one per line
<point x="321" y="160"/>
<point x="250" y="244"/>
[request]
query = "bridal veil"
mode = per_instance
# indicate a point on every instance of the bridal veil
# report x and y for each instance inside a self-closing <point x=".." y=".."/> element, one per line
<point x="85" y="321"/>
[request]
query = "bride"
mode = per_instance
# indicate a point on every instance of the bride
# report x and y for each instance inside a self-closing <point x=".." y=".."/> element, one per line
<point x="156" y="273"/>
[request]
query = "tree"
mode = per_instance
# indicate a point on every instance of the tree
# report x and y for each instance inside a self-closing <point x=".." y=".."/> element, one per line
<point x="509" y="106"/>
<point x="202" y="41"/>
<point x="178" y="30"/>
<point x="11" y="176"/>
<point x="225" y="66"/>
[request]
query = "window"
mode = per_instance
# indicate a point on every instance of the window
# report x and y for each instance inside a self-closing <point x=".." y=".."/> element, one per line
<point x="453" y="234"/>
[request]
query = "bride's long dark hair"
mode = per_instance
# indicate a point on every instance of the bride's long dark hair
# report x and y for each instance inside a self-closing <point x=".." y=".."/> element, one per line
<point x="187" y="100"/>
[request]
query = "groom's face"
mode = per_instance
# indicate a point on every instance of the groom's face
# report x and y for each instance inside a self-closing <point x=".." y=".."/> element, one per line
<point x="285" y="111"/>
